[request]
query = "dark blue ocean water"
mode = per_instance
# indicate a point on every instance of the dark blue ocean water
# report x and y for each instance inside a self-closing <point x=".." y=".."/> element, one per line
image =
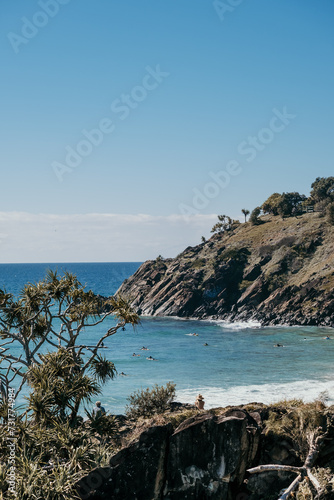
<point x="103" y="278"/>
<point x="240" y="363"/>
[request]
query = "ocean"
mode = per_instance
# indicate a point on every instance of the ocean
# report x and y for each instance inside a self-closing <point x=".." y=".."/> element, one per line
<point x="228" y="363"/>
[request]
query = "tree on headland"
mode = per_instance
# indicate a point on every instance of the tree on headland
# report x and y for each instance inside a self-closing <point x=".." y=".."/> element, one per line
<point x="285" y="204"/>
<point x="270" y="206"/>
<point x="322" y="189"/>
<point x="245" y="212"/>
<point x="254" y="217"/>
<point x="330" y="213"/>
<point x="225" y="224"/>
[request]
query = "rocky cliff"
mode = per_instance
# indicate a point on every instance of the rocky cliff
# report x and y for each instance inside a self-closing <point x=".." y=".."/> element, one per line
<point x="278" y="272"/>
<point x="208" y="455"/>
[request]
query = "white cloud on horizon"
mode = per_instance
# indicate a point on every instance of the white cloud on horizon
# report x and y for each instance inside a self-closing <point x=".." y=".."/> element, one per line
<point x="94" y="237"/>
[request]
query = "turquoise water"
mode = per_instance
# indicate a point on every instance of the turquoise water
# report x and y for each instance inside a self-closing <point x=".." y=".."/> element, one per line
<point x="240" y="363"/>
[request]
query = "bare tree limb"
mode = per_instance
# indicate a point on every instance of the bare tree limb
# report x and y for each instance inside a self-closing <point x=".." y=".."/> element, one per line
<point x="285" y="468"/>
<point x="316" y="441"/>
<point x="314" y="481"/>
<point x="293" y="486"/>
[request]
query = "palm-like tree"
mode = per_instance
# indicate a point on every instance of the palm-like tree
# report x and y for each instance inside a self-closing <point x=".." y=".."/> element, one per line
<point x="245" y="212"/>
<point x="54" y="313"/>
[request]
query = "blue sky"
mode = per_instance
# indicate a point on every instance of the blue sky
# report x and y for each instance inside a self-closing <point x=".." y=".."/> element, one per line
<point x="184" y="92"/>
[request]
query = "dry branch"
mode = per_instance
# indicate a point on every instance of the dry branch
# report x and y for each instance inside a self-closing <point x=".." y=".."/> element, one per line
<point x="316" y="443"/>
<point x="293" y="486"/>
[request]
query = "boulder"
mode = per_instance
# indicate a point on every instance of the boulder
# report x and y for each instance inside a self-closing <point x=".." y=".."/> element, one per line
<point x="208" y="456"/>
<point x="136" y="472"/>
<point x="205" y="458"/>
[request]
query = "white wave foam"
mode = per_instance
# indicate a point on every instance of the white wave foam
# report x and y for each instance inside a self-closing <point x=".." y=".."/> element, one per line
<point x="307" y="390"/>
<point x="238" y="325"/>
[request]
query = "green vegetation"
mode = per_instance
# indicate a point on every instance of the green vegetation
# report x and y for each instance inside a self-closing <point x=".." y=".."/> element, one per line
<point x="306" y="428"/>
<point x="322" y="190"/>
<point x="225" y="224"/>
<point x="53" y="314"/>
<point x="290" y="204"/>
<point x="270" y="206"/>
<point x="159" y="263"/>
<point x="51" y="458"/>
<point x="275" y="282"/>
<point x="254" y="217"/>
<point x="148" y="402"/>
<point x="297" y="421"/>
<point x="54" y="448"/>
<point x="235" y="253"/>
<point x="330" y="213"/>
<point x="180" y="417"/>
<point x="285" y="204"/>
<point x="198" y="263"/>
<point x="245" y="212"/>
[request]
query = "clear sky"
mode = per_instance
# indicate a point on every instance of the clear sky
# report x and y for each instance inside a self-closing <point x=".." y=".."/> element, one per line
<point x="127" y="125"/>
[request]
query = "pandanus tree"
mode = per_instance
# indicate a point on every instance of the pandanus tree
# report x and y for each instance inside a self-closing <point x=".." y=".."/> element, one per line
<point x="225" y="224"/>
<point x="245" y="212"/>
<point x="44" y="332"/>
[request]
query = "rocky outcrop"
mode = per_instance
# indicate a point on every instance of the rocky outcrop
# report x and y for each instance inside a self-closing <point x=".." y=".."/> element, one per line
<point x="279" y="272"/>
<point x="136" y="472"/>
<point x="208" y="456"/>
<point x="205" y="458"/>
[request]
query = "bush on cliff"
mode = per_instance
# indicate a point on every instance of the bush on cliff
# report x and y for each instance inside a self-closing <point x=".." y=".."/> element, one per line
<point x="322" y="189"/>
<point x="254" y="217"/>
<point x="225" y="224"/>
<point x="148" y="402"/>
<point x="330" y="213"/>
<point x="285" y="204"/>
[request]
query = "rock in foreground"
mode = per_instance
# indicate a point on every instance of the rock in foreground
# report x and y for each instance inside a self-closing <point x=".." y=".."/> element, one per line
<point x="208" y="455"/>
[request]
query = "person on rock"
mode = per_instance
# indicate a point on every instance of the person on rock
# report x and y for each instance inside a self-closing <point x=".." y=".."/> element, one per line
<point x="98" y="410"/>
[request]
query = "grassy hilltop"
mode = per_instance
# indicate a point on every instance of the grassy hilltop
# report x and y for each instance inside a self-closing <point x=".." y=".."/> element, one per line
<point x="273" y="268"/>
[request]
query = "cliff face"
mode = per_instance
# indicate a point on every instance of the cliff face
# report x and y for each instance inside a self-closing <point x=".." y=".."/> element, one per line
<point x="208" y="455"/>
<point x="278" y="272"/>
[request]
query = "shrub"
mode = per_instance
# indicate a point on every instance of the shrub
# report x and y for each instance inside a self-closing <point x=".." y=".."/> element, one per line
<point x="225" y="224"/>
<point x="236" y="253"/>
<point x="254" y="217"/>
<point x="148" y="402"/>
<point x="198" y="263"/>
<point x="287" y="241"/>
<point x="177" y="419"/>
<point x="275" y="281"/>
<point x="265" y="250"/>
<point x="330" y="213"/>
<point x="323" y="189"/>
<point x="270" y="206"/>
<point x="298" y="422"/>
